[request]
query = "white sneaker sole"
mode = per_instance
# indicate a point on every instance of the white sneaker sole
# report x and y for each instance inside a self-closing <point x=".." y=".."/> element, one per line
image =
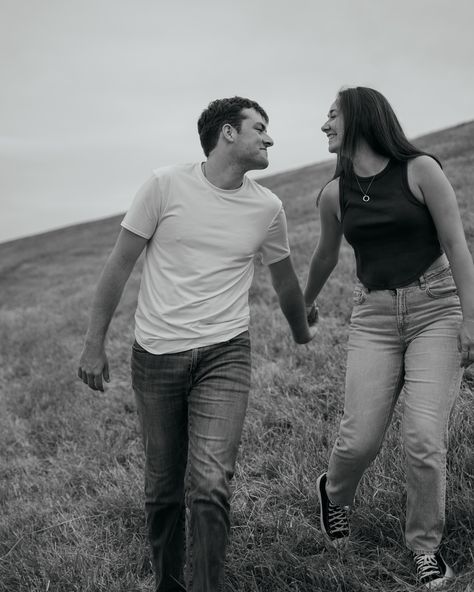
<point x="440" y="582"/>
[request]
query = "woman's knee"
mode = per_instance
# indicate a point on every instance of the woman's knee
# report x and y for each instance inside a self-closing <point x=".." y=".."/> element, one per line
<point x="425" y="447"/>
<point x="360" y="448"/>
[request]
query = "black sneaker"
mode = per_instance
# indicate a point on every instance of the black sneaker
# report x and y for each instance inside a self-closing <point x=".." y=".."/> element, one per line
<point x="432" y="570"/>
<point x="334" y="522"/>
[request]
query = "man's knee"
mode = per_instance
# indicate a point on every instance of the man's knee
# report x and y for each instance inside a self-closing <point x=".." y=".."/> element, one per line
<point x="214" y="489"/>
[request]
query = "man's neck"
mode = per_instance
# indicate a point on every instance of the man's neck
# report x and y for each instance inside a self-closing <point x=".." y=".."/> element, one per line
<point x="223" y="175"/>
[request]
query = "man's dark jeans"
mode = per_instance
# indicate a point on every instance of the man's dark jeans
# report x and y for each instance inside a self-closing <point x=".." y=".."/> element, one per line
<point x="191" y="407"/>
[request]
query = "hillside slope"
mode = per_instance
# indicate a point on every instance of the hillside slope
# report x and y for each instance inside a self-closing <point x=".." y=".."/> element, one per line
<point x="297" y="188"/>
<point x="71" y="516"/>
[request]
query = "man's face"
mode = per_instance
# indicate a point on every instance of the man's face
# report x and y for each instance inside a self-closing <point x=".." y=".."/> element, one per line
<point x="252" y="142"/>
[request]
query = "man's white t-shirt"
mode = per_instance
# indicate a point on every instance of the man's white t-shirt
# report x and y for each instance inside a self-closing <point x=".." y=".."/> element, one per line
<point x="199" y="260"/>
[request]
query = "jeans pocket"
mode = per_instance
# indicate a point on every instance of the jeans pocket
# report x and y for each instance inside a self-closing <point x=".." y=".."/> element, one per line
<point x="441" y="285"/>
<point x="138" y="349"/>
<point x="359" y="295"/>
<point x="241" y="340"/>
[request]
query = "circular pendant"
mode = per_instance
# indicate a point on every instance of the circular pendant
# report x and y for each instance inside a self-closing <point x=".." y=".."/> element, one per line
<point x="365" y="197"/>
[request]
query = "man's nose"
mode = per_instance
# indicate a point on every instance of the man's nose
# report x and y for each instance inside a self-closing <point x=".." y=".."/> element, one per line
<point x="268" y="140"/>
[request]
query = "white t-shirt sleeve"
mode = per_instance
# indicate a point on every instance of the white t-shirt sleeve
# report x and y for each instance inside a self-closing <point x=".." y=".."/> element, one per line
<point x="144" y="214"/>
<point x="275" y="247"/>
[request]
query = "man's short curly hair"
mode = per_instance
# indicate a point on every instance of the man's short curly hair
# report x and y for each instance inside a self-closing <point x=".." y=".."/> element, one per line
<point x="220" y="112"/>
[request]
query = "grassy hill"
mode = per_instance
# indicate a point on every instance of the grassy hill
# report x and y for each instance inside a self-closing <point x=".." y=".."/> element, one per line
<point x="71" y="460"/>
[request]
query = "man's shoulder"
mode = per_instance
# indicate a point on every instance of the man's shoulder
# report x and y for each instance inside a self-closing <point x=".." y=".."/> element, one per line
<point x="264" y="192"/>
<point x="174" y="170"/>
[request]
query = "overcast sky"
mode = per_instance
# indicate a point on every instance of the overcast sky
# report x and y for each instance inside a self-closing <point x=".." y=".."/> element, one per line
<point x="96" y="93"/>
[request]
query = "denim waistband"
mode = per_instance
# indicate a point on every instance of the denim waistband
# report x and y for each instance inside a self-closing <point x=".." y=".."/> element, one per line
<point x="439" y="264"/>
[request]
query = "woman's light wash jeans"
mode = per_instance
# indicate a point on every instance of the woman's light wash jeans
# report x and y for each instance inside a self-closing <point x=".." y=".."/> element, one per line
<point x="404" y="338"/>
<point x="191" y="407"/>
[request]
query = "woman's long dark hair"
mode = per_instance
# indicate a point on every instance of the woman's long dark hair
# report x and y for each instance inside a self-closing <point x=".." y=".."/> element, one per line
<point x="369" y="116"/>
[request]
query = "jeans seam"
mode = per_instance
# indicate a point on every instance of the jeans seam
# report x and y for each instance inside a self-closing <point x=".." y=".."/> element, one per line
<point x="189" y="477"/>
<point x="398" y="314"/>
<point x="452" y="396"/>
<point x="187" y="488"/>
<point x="395" y="397"/>
<point x="441" y="500"/>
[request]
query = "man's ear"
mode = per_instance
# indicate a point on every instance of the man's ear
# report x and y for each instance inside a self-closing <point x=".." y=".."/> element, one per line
<point x="228" y="132"/>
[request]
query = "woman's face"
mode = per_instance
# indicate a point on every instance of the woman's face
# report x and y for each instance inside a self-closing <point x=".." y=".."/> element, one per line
<point x="334" y="128"/>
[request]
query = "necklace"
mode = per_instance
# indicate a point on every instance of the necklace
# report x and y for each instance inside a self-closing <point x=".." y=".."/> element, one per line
<point x="365" y="196"/>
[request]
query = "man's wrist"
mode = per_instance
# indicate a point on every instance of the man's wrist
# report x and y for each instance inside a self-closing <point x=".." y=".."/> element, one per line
<point x="94" y="340"/>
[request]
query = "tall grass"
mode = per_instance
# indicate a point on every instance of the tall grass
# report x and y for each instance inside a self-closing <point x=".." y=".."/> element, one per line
<point x="71" y="459"/>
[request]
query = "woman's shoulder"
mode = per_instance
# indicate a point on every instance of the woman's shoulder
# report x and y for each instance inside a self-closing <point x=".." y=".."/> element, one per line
<point x="423" y="163"/>
<point x="328" y="199"/>
<point x="422" y="167"/>
<point x="330" y="192"/>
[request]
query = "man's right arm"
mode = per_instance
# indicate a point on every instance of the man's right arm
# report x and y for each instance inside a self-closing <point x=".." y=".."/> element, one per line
<point x="93" y="365"/>
<point x="285" y="284"/>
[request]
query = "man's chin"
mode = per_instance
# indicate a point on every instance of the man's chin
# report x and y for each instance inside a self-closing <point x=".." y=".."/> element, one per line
<point x="263" y="164"/>
<point x="257" y="165"/>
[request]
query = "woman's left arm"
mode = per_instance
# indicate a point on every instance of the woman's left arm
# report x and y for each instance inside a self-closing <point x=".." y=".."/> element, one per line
<point x="427" y="177"/>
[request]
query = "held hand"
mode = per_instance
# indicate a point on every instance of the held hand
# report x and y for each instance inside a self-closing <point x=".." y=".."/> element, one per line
<point x="93" y="366"/>
<point x="308" y="337"/>
<point x="466" y="343"/>
<point x="312" y="314"/>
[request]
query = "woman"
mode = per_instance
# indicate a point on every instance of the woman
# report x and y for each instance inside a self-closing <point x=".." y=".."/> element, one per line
<point x="412" y="324"/>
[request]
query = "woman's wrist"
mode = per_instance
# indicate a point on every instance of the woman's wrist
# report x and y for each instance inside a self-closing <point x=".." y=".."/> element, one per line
<point x="312" y="313"/>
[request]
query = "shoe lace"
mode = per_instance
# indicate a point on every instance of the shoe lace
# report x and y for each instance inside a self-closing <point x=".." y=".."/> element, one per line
<point x="427" y="566"/>
<point x="338" y="522"/>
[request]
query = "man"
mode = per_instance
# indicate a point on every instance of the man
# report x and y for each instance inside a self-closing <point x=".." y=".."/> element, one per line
<point x="202" y="225"/>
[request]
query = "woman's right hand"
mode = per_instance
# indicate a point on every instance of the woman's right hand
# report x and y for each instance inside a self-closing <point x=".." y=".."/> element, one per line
<point x="312" y="314"/>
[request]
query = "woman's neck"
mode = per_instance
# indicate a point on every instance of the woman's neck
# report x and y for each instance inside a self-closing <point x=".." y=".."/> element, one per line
<point x="366" y="162"/>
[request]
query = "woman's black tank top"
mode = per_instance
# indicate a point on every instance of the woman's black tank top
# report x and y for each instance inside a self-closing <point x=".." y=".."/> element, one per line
<point x="393" y="234"/>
